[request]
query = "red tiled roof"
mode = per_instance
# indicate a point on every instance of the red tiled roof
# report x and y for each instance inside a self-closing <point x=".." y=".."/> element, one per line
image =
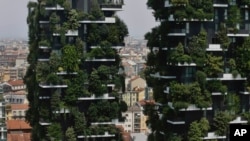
<point x="17" y="125"/>
<point x="144" y="102"/>
<point x="16" y="82"/>
<point x="19" y="106"/>
<point x="18" y="137"/>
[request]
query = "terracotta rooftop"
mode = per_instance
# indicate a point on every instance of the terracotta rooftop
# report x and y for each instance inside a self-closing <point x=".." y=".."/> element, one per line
<point x="19" y="137"/>
<point x="17" y="125"/>
<point x="144" y="102"/>
<point x="19" y="106"/>
<point x="16" y="82"/>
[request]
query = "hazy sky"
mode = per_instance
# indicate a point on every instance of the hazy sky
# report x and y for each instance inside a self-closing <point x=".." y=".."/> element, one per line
<point x="13" y="15"/>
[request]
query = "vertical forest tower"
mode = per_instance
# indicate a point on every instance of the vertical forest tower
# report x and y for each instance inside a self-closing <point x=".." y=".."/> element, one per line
<point x="74" y="77"/>
<point x="199" y="68"/>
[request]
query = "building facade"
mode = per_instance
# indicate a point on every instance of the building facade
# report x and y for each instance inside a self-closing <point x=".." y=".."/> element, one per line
<point x="73" y="79"/>
<point x="198" y="66"/>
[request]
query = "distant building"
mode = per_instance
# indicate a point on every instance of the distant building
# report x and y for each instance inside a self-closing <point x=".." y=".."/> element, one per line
<point x="18" y="130"/>
<point x="136" y="82"/>
<point x="18" y="97"/>
<point x="16" y="111"/>
<point x="131" y="97"/>
<point x="17" y="85"/>
<point x="135" y="121"/>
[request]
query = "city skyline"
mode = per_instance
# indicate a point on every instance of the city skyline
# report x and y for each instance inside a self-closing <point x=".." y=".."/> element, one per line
<point x="139" y="23"/>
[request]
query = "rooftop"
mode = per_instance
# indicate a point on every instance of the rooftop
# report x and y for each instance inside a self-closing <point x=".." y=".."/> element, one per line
<point x="17" y="125"/>
<point x="16" y="82"/>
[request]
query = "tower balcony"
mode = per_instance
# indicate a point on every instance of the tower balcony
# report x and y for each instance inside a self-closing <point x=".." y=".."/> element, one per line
<point x="177" y="32"/>
<point x="94" y="97"/>
<point x="157" y="75"/>
<point x="106" y="135"/>
<point x="54" y="8"/>
<point x="112" y="5"/>
<point x="68" y="33"/>
<point x="238" y="33"/>
<point x="228" y="77"/>
<point x="107" y="20"/>
<point x="214" y="47"/>
<point x="220" y="3"/>
<point x="48" y="86"/>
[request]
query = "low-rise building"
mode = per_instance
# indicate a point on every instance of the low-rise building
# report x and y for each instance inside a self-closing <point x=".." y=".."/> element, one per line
<point x="18" y="130"/>
<point x="136" y="82"/>
<point x="135" y="120"/>
<point x="131" y="97"/>
<point x="16" y="111"/>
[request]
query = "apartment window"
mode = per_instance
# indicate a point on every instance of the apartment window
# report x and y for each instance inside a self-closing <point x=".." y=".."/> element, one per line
<point x="20" y="113"/>
<point x="246" y="15"/>
<point x="187" y="27"/>
<point x="225" y="14"/>
<point x="14" y="113"/>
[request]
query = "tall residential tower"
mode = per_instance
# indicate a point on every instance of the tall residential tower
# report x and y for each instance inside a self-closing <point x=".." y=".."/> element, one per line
<point x="75" y="77"/>
<point x="199" y="68"/>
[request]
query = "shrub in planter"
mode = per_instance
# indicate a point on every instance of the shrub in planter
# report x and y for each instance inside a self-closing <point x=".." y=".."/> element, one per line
<point x="180" y="104"/>
<point x="235" y="73"/>
<point x="52" y="79"/>
<point x="44" y="43"/>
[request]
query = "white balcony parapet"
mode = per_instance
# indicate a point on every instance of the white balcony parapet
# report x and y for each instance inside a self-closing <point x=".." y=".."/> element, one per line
<point x="111" y="9"/>
<point x="157" y="75"/>
<point x="44" y="123"/>
<point x="237" y="35"/>
<point x="214" y="47"/>
<point x="114" y="47"/>
<point x="100" y="60"/>
<point x="43" y="60"/>
<point x="93" y="97"/>
<point x="66" y="73"/>
<point x="176" y="122"/>
<point x="57" y="7"/>
<point x="110" y="85"/>
<point x="114" y="121"/>
<point x="213" y="136"/>
<point x="220" y="5"/>
<point x="191" y="107"/>
<point x="227" y="77"/>
<point x="176" y="34"/>
<point x="238" y="120"/>
<point x="68" y="33"/>
<point x="185" y="64"/>
<point x="53" y="86"/>
<point x="244" y="92"/>
<point x="171" y="18"/>
<point x="106" y="134"/>
<point x="43" y="22"/>
<point x="106" y="20"/>
<point x="62" y="111"/>
<point x="44" y="47"/>
<point x="44" y="97"/>
<point x="218" y="93"/>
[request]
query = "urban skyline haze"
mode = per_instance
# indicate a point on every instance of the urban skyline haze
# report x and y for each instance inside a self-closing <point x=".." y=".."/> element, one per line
<point x="135" y="14"/>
